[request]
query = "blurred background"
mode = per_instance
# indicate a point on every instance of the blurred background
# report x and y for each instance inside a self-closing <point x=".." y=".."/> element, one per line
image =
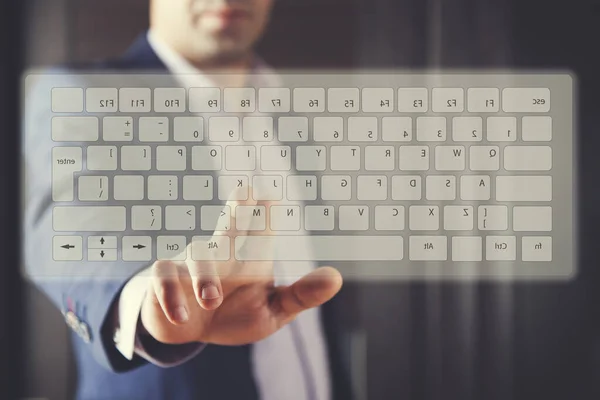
<point x="404" y="340"/>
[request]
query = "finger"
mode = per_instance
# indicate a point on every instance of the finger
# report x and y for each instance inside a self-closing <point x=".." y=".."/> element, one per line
<point x="205" y="282"/>
<point x="169" y="291"/>
<point x="310" y="291"/>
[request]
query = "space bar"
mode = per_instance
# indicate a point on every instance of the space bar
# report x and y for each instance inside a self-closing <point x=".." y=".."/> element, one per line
<point x="319" y="248"/>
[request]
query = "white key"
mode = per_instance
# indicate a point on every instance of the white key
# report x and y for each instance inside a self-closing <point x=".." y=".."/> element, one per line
<point x="101" y="100"/>
<point x="224" y="129"/>
<point x="448" y="100"/>
<point x="413" y="158"/>
<point x="102" y="242"/>
<point x="484" y="158"/>
<point x="117" y="129"/>
<point x="171" y="158"/>
<point x="492" y="218"/>
<point x="536" y="248"/>
<point x="323" y="248"/>
<point x="396" y="129"/>
<point x="207" y="158"/>
<point x="526" y="100"/>
<point x="293" y="129"/>
<point x="475" y="187"/>
<point x="162" y="187"/>
<point x="343" y="100"/>
<point x="336" y="187"/>
<point x="136" y="158"/>
<point x="380" y="158"/>
<point x="301" y="187"/>
<point x="483" y="100"/>
<point x="180" y="218"/>
<point x="450" y="158"/>
<point x="413" y="100"/>
<point x="257" y="129"/>
<point x="275" y="158"/>
<point x="146" y="218"/>
<point x="458" y="218"/>
<point x="240" y="158"/>
<point x="424" y="218"/>
<point x="285" y="218"/>
<point x="101" y="158"/>
<point x="311" y="158"/>
<point x="67" y="248"/>
<point x="169" y="99"/>
<point x="431" y="129"/>
<point x="93" y="188"/>
<point x="378" y="100"/>
<point x="345" y="158"/>
<point x="362" y="129"/>
<point x="265" y="187"/>
<point x="137" y="248"/>
<point x="467" y="129"/>
<point x="428" y="248"/>
<point x="389" y="218"/>
<point x="501" y="129"/>
<point x="250" y="218"/>
<point x="67" y="100"/>
<point x="153" y="129"/>
<point x="233" y="188"/>
<point x="74" y="129"/>
<point x="536" y="129"/>
<point x="406" y="187"/>
<point x="467" y="248"/>
<point x="215" y="218"/>
<point x="319" y="218"/>
<point x="135" y="100"/>
<point x="328" y="129"/>
<point x="500" y="248"/>
<point x="274" y="100"/>
<point x="532" y="219"/>
<point x="309" y="100"/>
<point x="198" y="187"/>
<point x="88" y="219"/>
<point x="128" y="187"/>
<point x="524" y="188"/>
<point x="102" y="255"/>
<point x="239" y="100"/>
<point x="354" y="218"/>
<point x="205" y="100"/>
<point x="188" y="129"/>
<point x="440" y="187"/>
<point x="372" y="187"/>
<point x="65" y="162"/>
<point x="528" y="158"/>
<point x="211" y="248"/>
<point x="171" y="248"/>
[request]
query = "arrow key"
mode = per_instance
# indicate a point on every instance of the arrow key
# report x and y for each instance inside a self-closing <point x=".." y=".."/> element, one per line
<point x="137" y="248"/>
<point x="102" y="254"/>
<point x="102" y="242"/>
<point x="67" y="248"/>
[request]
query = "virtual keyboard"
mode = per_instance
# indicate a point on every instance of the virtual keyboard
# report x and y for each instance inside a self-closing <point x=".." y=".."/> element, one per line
<point x="462" y="174"/>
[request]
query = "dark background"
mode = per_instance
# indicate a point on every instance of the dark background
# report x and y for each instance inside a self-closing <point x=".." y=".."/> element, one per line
<point x="405" y="340"/>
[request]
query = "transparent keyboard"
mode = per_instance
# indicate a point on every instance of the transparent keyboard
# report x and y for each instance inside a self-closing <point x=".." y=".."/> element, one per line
<point x="386" y="174"/>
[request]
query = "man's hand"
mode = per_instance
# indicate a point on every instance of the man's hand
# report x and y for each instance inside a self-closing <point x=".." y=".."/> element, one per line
<point x="228" y="303"/>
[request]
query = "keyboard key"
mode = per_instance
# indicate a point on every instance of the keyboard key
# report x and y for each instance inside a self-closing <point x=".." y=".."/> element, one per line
<point x="537" y="248"/>
<point x="285" y="218"/>
<point x="362" y="129"/>
<point x="431" y="129"/>
<point x="117" y="129"/>
<point x="483" y="100"/>
<point x="239" y="100"/>
<point x="207" y="158"/>
<point x="475" y="187"/>
<point x="378" y="100"/>
<point x="93" y="188"/>
<point x="99" y="100"/>
<point x="171" y="248"/>
<point x="532" y="219"/>
<point x="371" y="187"/>
<point x="233" y="188"/>
<point x="257" y="129"/>
<point x="135" y="100"/>
<point x="501" y="248"/>
<point x="102" y="242"/>
<point x="267" y="187"/>
<point x="450" y="158"/>
<point x="448" y="100"/>
<point x="380" y="158"/>
<point x="102" y="255"/>
<point x="336" y="187"/>
<point x="389" y="218"/>
<point x="492" y="218"/>
<point x="240" y="158"/>
<point x="524" y="188"/>
<point x="311" y="158"/>
<point x="319" y="218"/>
<point x="293" y="129"/>
<point x="428" y="248"/>
<point x="180" y="218"/>
<point x="413" y="100"/>
<point x="153" y="129"/>
<point x="169" y="99"/>
<point x="67" y="248"/>
<point x="88" y="219"/>
<point x="406" y="187"/>
<point x="137" y="248"/>
<point x="146" y="218"/>
<point x="163" y="187"/>
<point x="501" y="129"/>
<point x="136" y="158"/>
<point x="65" y="162"/>
<point x="215" y="218"/>
<point x="396" y="129"/>
<point x="467" y="248"/>
<point x="101" y="158"/>
<point x="171" y="158"/>
<point x="440" y="187"/>
<point x="188" y="129"/>
<point x="198" y="187"/>
<point x="250" y="218"/>
<point x="328" y="129"/>
<point x="354" y="218"/>
<point x="205" y="100"/>
<point x="128" y="187"/>
<point x="345" y="158"/>
<point x="484" y="158"/>
<point x="413" y="158"/>
<point x="210" y="248"/>
<point x="458" y="218"/>
<point x="67" y="100"/>
<point x="276" y="158"/>
<point x="74" y="129"/>
<point x="536" y="129"/>
<point x="424" y="218"/>
<point x="526" y="100"/>
<point x="274" y="100"/>
<point x="224" y="129"/>
<point x="467" y="129"/>
<point x="301" y="187"/>
<point x="343" y="100"/>
<point x="309" y="100"/>
<point x="527" y="158"/>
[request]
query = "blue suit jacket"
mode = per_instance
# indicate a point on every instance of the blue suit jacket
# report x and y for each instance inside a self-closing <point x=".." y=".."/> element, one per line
<point x="103" y="373"/>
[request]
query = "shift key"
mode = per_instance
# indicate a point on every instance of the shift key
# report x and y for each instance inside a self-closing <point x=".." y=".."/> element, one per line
<point x="88" y="219"/>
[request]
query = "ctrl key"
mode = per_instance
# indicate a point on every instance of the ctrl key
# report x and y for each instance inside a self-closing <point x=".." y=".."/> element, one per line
<point x="67" y="248"/>
<point x="537" y="248"/>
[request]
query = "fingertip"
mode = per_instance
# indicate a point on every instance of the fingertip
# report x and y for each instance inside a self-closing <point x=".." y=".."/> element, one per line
<point x="209" y="296"/>
<point x="179" y="315"/>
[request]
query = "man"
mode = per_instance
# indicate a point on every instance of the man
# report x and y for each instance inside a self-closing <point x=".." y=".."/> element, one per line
<point x="196" y="318"/>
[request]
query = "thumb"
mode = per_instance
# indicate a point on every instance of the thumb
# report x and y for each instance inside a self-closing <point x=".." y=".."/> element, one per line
<point x="310" y="291"/>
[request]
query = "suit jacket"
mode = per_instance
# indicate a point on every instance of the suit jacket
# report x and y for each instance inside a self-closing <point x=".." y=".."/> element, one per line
<point x="218" y="372"/>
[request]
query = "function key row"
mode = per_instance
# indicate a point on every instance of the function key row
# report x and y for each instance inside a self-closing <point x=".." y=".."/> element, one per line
<point x="302" y="100"/>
